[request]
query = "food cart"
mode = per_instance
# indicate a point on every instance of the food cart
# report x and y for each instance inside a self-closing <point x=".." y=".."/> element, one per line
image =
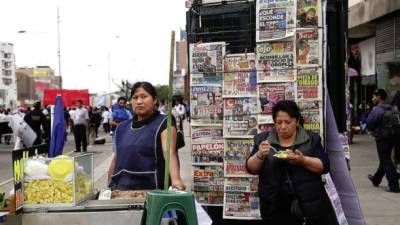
<point x="60" y="190"/>
<point x="113" y="211"/>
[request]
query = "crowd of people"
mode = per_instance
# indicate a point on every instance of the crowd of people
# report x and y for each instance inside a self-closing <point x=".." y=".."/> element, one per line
<point x="84" y="121"/>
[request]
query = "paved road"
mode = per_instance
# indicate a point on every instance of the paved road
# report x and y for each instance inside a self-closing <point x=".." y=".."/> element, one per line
<point x="378" y="206"/>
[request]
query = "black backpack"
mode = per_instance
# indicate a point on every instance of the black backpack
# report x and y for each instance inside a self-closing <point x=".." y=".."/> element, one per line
<point x="390" y="124"/>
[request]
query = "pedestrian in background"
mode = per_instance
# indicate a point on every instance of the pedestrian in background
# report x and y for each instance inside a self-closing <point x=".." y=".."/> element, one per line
<point x="80" y="118"/>
<point x="67" y="119"/>
<point x="119" y="115"/>
<point x="163" y="107"/>
<point x="384" y="145"/>
<point x="105" y="117"/>
<point x="36" y="120"/>
<point x="396" y="107"/>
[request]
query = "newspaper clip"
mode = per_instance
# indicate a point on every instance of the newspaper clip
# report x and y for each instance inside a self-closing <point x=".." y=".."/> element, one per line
<point x="227" y="52"/>
<point x="197" y="43"/>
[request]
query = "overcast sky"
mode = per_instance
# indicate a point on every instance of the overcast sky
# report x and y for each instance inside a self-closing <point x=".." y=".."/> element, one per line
<point x="136" y="35"/>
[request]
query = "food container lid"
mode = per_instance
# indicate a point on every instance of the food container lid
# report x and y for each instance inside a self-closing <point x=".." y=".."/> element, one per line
<point x="61" y="167"/>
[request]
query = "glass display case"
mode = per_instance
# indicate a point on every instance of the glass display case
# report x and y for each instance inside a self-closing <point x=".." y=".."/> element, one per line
<point x="56" y="182"/>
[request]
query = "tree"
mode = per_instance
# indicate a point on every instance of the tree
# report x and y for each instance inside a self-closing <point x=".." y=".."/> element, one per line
<point x="125" y="89"/>
<point x="162" y="91"/>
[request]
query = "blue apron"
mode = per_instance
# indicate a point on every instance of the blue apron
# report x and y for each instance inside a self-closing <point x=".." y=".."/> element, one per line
<point x="136" y="163"/>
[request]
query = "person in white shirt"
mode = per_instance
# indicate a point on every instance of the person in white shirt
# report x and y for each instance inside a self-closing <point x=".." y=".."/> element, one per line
<point x="180" y="109"/>
<point x="80" y="118"/>
<point x="105" y="115"/>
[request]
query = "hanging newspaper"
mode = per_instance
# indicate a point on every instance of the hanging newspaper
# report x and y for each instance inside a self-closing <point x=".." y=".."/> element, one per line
<point x="276" y="61"/>
<point x="308" y="48"/>
<point x="270" y="94"/>
<point x="275" y="19"/>
<point x="309" y="84"/>
<point x="206" y="133"/>
<point x="240" y="77"/>
<point x="206" y="63"/>
<point x="206" y="105"/>
<point x="208" y="153"/>
<point x="240" y="117"/>
<point x="312" y="112"/>
<point x="308" y="13"/>
<point x="335" y="200"/>
<point x="241" y="198"/>
<point x="236" y="152"/>
<point x="208" y="185"/>
<point x="344" y="139"/>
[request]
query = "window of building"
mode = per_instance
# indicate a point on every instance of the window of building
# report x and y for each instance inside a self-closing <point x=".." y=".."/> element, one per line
<point x="7" y="72"/>
<point x="7" y="81"/>
<point x="7" y="55"/>
<point x="7" y="64"/>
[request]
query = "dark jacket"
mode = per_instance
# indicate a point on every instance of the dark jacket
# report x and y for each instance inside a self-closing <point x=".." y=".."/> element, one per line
<point x="308" y="186"/>
<point x="374" y="120"/>
<point x="35" y="119"/>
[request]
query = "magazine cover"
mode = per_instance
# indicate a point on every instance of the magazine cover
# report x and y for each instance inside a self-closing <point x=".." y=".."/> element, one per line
<point x="275" y="19"/>
<point x="240" y="117"/>
<point x="270" y="94"/>
<point x="276" y="61"/>
<point x="236" y="152"/>
<point x="240" y="77"/>
<point x="200" y="134"/>
<point x="206" y="105"/>
<point x="344" y="139"/>
<point x="308" y="48"/>
<point x="205" y="61"/>
<point x="308" y="13"/>
<point x="208" y="153"/>
<point x="241" y="198"/>
<point x="309" y="84"/>
<point x="312" y="114"/>
<point x="265" y="127"/>
<point x="208" y="184"/>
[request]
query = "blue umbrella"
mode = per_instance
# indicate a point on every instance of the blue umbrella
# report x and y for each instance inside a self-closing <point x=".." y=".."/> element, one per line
<point x="58" y="129"/>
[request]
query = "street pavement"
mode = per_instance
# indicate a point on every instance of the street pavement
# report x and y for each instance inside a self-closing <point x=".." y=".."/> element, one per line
<point x="379" y="207"/>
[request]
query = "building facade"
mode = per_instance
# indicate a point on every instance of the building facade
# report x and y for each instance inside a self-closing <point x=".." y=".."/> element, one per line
<point x="33" y="81"/>
<point x="181" y="76"/>
<point x="374" y="43"/>
<point x="8" y="87"/>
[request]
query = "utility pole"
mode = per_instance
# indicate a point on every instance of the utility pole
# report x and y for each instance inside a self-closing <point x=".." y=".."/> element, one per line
<point x="59" y="49"/>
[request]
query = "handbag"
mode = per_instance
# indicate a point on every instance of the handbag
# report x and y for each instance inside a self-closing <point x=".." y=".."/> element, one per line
<point x="295" y="207"/>
<point x="180" y="140"/>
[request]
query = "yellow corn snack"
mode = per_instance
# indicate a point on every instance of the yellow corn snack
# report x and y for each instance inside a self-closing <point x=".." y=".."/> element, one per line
<point x="282" y="154"/>
<point x="48" y="191"/>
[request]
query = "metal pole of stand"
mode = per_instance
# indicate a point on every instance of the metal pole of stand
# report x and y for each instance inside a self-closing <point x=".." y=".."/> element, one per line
<point x="169" y="118"/>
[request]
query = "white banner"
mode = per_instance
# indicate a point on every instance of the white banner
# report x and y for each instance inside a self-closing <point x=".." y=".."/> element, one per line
<point x="367" y="50"/>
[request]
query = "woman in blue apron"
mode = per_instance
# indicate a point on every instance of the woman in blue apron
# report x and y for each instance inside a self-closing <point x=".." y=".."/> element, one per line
<point x="138" y="162"/>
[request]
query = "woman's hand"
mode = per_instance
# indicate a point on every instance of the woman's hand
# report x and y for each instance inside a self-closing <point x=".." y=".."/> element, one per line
<point x="296" y="158"/>
<point x="178" y="184"/>
<point x="263" y="150"/>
